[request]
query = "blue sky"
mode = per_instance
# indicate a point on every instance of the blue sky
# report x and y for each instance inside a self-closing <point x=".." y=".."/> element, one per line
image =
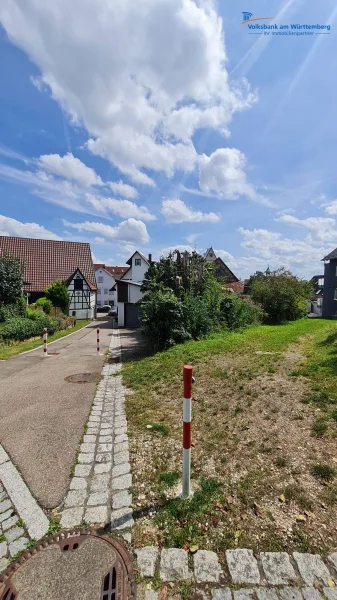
<point x="165" y="123"/>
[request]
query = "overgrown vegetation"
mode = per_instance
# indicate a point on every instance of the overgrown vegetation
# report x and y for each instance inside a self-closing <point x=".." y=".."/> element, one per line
<point x="282" y="295"/>
<point x="183" y="300"/>
<point x="58" y="295"/>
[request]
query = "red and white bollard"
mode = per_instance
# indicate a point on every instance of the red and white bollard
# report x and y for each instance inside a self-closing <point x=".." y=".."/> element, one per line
<point x="45" y="338"/>
<point x="187" y="430"/>
<point x="98" y="341"/>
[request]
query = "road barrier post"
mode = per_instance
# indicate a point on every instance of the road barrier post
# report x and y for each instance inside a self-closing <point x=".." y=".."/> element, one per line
<point x="97" y="341"/>
<point x="187" y="430"/>
<point x="45" y="338"/>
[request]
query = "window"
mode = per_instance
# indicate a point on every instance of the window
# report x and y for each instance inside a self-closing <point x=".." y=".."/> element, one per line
<point x="320" y="282"/>
<point x="98" y="303"/>
<point x="138" y="262"/>
<point x="99" y="291"/>
<point x="78" y="283"/>
<point x="111" y="293"/>
<point x="106" y="291"/>
<point x="111" y="302"/>
<point x="100" y="279"/>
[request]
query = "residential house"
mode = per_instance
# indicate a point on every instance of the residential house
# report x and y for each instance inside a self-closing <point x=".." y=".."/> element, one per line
<point x="106" y="278"/>
<point x="315" y="303"/>
<point x="223" y="272"/>
<point x="46" y="261"/>
<point x="128" y="290"/>
<point x="330" y="285"/>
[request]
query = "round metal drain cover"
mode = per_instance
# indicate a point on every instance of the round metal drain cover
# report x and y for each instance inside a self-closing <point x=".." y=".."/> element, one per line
<point x="71" y="566"/>
<point x="83" y="377"/>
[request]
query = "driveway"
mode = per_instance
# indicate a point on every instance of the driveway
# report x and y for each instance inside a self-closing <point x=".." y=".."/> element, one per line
<point x="42" y="416"/>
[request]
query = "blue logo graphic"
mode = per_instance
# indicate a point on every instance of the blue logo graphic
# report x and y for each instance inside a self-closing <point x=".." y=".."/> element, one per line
<point x="246" y="16"/>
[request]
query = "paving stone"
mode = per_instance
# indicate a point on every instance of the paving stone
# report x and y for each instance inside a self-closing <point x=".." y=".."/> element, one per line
<point x="18" y="546"/>
<point x="333" y="560"/>
<point x="93" y="429"/>
<point x="3" y="456"/>
<point x="88" y="448"/>
<point x="14" y="534"/>
<point x="82" y="470"/>
<point x="146" y="560"/>
<point x="105" y="439"/>
<point x="97" y="514"/>
<point x="121" y="457"/>
<point x="290" y="593"/>
<point x="102" y="468"/>
<point x="265" y="594"/>
<point x="86" y="459"/>
<point x="121" y="499"/>
<point x="4" y="516"/>
<point x="207" y="567"/>
<point x="122" y="518"/>
<point x="330" y="593"/>
<point x="277" y="568"/>
<point x="121" y="422"/>
<point x="75" y="498"/>
<point x="151" y="595"/>
<point x="311" y="568"/>
<point x="3" y="496"/>
<point x="5" y="505"/>
<point x="121" y="469"/>
<point x="78" y="483"/>
<point x="3" y="564"/>
<point x="3" y="549"/>
<point x="243" y="566"/>
<point x="100" y="483"/>
<point x="94" y="419"/>
<point x="120" y="430"/>
<point x="107" y="427"/>
<point x="122" y="483"/>
<point x="222" y="594"/>
<point x="243" y="594"/>
<point x="310" y="593"/>
<point x="104" y="448"/>
<point x="103" y="458"/>
<point x="9" y="523"/>
<point x="72" y="516"/>
<point x="89" y="438"/>
<point x="174" y="565"/>
<point x="119" y="439"/>
<point x="98" y="498"/>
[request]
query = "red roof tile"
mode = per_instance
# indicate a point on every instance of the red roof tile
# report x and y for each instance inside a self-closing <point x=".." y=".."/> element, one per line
<point x="236" y="286"/>
<point x="46" y="261"/>
<point x="115" y="271"/>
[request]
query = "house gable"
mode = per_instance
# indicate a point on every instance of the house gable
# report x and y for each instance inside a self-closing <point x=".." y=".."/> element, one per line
<point x="138" y="265"/>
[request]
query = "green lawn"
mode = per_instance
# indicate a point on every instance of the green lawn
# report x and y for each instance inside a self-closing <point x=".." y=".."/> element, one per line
<point x="9" y="350"/>
<point x="264" y="463"/>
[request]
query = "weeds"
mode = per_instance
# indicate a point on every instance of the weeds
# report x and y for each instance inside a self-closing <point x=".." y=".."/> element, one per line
<point x="319" y="427"/>
<point x="159" y="428"/>
<point x="280" y="461"/>
<point x="54" y="525"/>
<point x="324" y="472"/>
<point x="170" y="478"/>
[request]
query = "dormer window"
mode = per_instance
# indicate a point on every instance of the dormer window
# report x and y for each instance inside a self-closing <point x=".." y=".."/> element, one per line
<point x="138" y="262"/>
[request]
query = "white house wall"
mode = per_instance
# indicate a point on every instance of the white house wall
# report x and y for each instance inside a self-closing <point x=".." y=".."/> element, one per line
<point x="134" y="293"/>
<point x="82" y="304"/>
<point x="121" y="317"/>
<point x="105" y="282"/>
<point x="136" y="273"/>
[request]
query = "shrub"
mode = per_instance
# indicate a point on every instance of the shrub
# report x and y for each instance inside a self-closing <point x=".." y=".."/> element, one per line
<point x="11" y="310"/>
<point x="281" y="294"/>
<point x="46" y="304"/>
<point x="19" y="328"/>
<point x="58" y="294"/>
<point x="240" y="312"/>
<point x="162" y="318"/>
<point x="10" y="280"/>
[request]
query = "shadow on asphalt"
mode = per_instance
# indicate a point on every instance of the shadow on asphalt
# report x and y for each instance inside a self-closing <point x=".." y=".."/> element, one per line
<point x="134" y="345"/>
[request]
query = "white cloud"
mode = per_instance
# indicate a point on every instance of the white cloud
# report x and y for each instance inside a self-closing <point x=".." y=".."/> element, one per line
<point x="321" y="229"/>
<point x="140" y="101"/>
<point x="15" y="228"/>
<point x="71" y="168"/>
<point x="123" y="189"/>
<point x="130" y="230"/>
<point x="180" y="247"/>
<point x="191" y="239"/>
<point x="176" y="211"/>
<point x="125" y="208"/>
<point x="223" y="172"/>
<point x="331" y="208"/>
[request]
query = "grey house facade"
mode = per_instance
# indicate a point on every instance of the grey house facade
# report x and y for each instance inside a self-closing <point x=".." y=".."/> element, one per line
<point x="330" y="285"/>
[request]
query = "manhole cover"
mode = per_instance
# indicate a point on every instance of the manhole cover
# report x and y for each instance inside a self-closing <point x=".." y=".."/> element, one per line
<point x="71" y="566"/>
<point x="83" y="377"/>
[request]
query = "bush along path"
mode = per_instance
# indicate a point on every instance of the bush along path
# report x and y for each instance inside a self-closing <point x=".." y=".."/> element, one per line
<point x="22" y="521"/>
<point x="100" y="488"/>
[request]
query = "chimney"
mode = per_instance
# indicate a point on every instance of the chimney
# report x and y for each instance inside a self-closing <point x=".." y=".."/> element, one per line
<point x="150" y="258"/>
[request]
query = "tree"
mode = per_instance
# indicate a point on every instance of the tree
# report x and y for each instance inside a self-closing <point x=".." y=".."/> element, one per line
<point x="10" y="280"/>
<point x="281" y="294"/>
<point x="162" y="318"/>
<point x="46" y="304"/>
<point x="58" y="294"/>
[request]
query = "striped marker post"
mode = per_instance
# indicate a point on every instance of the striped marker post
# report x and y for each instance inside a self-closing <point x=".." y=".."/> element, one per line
<point x="97" y="341"/>
<point x="45" y="338"/>
<point x="187" y="430"/>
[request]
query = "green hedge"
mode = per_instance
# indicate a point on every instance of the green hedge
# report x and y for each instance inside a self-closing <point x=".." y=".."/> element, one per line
<point x="19" y="328"/>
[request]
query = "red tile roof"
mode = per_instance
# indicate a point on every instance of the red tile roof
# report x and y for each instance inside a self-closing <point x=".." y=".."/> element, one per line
<point x="236" y="286"/>
<point x="46" y="261"/>
<point x="115" y="271"/>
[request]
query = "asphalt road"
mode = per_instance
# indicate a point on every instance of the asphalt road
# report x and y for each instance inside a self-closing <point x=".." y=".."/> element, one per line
<point x="42" y="416"/>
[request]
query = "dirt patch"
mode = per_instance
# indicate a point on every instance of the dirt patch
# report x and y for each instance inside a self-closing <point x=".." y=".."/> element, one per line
<point x="252" y="433"/>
